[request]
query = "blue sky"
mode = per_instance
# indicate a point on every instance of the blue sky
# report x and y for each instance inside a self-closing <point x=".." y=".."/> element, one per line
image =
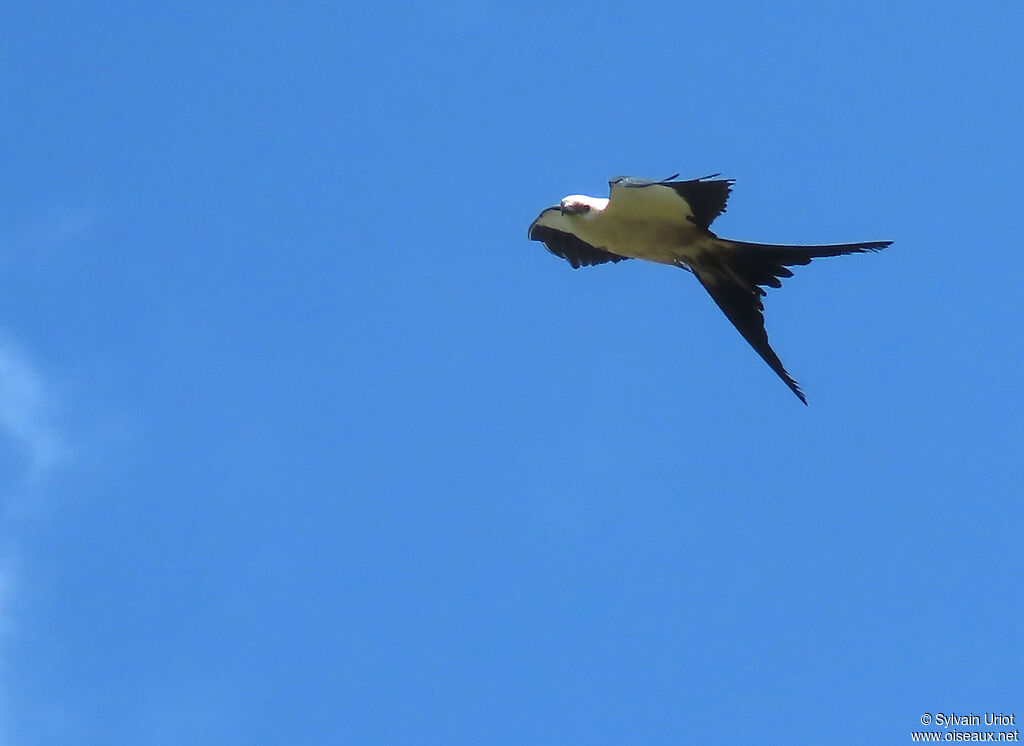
<point x="303" y="441"/>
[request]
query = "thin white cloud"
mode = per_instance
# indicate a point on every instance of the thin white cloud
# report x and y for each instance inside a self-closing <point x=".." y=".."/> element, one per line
<point x="31" y="446"/>
<point x="60" y="228"/>
<point x="44" y="238"/>
<point x="26" y="410"/>
<point x="7" y="581"/>
<point x="34" y="444"/>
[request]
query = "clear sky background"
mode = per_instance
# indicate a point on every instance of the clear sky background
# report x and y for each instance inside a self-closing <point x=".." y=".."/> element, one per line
<point x="303" y="441"/>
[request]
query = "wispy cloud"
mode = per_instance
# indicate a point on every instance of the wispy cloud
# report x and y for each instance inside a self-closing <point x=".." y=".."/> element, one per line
<point x="31" y="446"/>
<point x="35" y="445"/>
<point x="27" y="414"/>
<point x="6" y="632"/>
<point x="44" y="237"/>
<point x="61" y="227"/>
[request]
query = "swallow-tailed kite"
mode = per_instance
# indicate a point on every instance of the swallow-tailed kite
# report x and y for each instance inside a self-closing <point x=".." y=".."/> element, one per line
<point x="669" y="222"/>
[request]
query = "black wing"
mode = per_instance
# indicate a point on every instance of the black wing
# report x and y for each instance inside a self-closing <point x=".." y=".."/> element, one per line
<point x="706" y="196"/>
<point x="574" y="250"/>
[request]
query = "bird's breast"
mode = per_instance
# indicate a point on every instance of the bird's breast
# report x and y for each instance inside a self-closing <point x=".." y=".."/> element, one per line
<point x="667" y="242"/>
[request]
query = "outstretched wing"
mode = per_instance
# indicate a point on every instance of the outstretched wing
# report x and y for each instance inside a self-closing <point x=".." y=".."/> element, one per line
<point x="701" y="200"/>
<point x="554" y="232"/>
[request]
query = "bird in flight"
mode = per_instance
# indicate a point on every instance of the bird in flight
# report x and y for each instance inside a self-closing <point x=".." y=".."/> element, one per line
<point x="669" y="221"/>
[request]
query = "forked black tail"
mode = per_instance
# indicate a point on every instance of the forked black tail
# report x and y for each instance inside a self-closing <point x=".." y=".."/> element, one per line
<point x="764" y="263"/>
<point x="736" y="282"/>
